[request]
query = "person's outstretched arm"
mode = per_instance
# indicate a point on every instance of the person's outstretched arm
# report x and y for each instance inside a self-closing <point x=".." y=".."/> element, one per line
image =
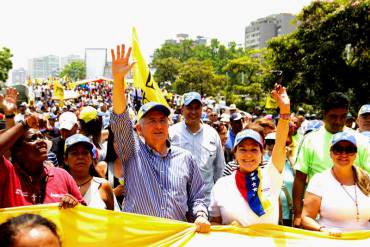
<point x="120" y="68"/>
<point x="279" y="152"/>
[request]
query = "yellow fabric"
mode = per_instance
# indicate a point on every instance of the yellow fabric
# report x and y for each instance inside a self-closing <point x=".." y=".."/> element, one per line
<point x="142" y="76"/>
<point x="88" y="113"/>
<point x="264" y="201"/>
<point x="71" y="85"/>
<point x="270" y="103"/>
<point x="58" y="90"/>
<point x="84" y="226"/>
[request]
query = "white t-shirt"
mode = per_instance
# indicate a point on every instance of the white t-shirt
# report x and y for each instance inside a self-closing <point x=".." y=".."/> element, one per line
<point x="227" y="202"/>
<point x="337" y="209"/>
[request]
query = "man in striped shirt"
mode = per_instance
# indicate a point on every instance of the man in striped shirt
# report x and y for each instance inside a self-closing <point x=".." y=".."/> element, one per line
<point x="161" y="180"/>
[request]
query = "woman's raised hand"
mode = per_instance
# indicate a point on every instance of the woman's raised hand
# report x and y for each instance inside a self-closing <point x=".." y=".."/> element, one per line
<point x="282" y="99"/>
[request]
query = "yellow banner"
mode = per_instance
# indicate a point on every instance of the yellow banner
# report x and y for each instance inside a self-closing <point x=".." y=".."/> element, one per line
<point x="71" y="85"/>
<point x="58" y="90"/>
<point x="270" y="103"/>
<point x="83" y="226"/>
<point x="142" y="76"/>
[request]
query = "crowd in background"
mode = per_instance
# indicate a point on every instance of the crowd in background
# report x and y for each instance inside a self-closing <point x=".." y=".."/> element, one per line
<point x="73" y="149"/>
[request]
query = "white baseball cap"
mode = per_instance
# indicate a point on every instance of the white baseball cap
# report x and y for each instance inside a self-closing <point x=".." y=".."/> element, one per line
<point x="67" y="120"/>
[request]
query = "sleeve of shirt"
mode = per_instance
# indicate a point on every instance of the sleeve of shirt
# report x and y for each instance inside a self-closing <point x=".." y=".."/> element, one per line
<point x="214" y="209"/>
<point x="276" y="177"/>
<point x="229" y="168"/>
<point x="363" y="160"/>
<point x="123" y="135"/>
<point x="196" y="195"/>
<point x="228" y="143"/>
<point x="314" y="186"/>
<point x="303" y="157"/>
<point x="219" y="161"/>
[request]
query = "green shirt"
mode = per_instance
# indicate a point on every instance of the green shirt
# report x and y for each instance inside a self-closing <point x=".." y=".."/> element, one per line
<point x="314" y="154"/>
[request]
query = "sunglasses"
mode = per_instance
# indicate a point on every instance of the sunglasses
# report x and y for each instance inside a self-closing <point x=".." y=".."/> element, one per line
<point x="346" y="149"/>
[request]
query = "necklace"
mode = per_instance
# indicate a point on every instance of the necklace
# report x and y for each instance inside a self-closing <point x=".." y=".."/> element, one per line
<point x="349" y="195"/>
<point x="80" y="185"/>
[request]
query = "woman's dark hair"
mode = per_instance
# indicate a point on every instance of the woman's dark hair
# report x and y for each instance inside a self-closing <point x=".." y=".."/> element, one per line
<point x="14" y="150"/>
<point x="10" y="228"/>
<point x="92" y="129"/>
<point x="111" y="152"/>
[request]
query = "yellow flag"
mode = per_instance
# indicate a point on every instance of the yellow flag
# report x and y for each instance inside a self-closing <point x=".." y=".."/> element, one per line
<point x="58" y="90"/>
<point x="71" y="85"/>
<point x="89" y="227"/>
<point x="142" y="76"/>
<point x="270" y="103"/>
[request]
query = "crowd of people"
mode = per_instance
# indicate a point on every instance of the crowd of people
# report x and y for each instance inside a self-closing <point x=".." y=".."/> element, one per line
<point x="196" y="160"/>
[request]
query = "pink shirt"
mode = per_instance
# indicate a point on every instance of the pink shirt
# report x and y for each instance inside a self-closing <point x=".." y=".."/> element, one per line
<point x="16" y="188"/>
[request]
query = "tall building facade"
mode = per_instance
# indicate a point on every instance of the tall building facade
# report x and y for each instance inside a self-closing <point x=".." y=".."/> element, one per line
<point x="200" y="40"/>
<point x="96" y="62"/>
<point x="43" y="67"/>
<point x="19" y="76"/>
<point x="260" y="31"/>
<point x="68" y="59"/>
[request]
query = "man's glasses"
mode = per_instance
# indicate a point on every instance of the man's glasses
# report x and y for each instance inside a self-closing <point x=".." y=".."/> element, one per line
<point x="337" y="149"/>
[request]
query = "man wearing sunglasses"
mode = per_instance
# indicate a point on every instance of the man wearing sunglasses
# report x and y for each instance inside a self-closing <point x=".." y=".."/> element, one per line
<point x="314" y="154"/>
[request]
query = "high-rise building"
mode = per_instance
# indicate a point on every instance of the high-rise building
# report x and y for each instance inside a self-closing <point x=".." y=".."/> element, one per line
<point x="260" y="31"/>
<point x="43" y="67"/>
<point x="96" y="62"/>
<point x="200" y="40"/>
<point x="183" y="36"/>
<point x="68" y="59"/>
<point x="19" y="76"/>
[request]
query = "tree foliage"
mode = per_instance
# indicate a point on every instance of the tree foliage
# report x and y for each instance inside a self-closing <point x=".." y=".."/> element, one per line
<point x="167" y="69"/>
<point x="195" y="75"/>
<point x="5" y="65"/>
<point x="328" y="52"/>
<point x="75" y="70"/>
<point x="209" y="69"/>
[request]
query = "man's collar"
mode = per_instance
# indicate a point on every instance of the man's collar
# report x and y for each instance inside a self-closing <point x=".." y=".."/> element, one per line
<point x="188" y="129"/>
<point x="168" y="145"/>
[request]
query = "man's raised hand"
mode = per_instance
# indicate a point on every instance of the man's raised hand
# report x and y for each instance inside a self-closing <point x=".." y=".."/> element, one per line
<point x="120" y="63"/>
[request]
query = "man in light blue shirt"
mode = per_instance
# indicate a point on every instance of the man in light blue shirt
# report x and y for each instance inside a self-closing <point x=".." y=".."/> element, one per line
<point x="200" y="139"/>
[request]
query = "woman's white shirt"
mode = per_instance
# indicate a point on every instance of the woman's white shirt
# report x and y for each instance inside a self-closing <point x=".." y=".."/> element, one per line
<point x="227" y="202"/>
<point x="92" y="195"/>
<point x="337" y="209"/>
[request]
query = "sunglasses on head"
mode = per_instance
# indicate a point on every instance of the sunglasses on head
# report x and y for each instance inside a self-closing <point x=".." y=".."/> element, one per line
<point x="344" y="149"/>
